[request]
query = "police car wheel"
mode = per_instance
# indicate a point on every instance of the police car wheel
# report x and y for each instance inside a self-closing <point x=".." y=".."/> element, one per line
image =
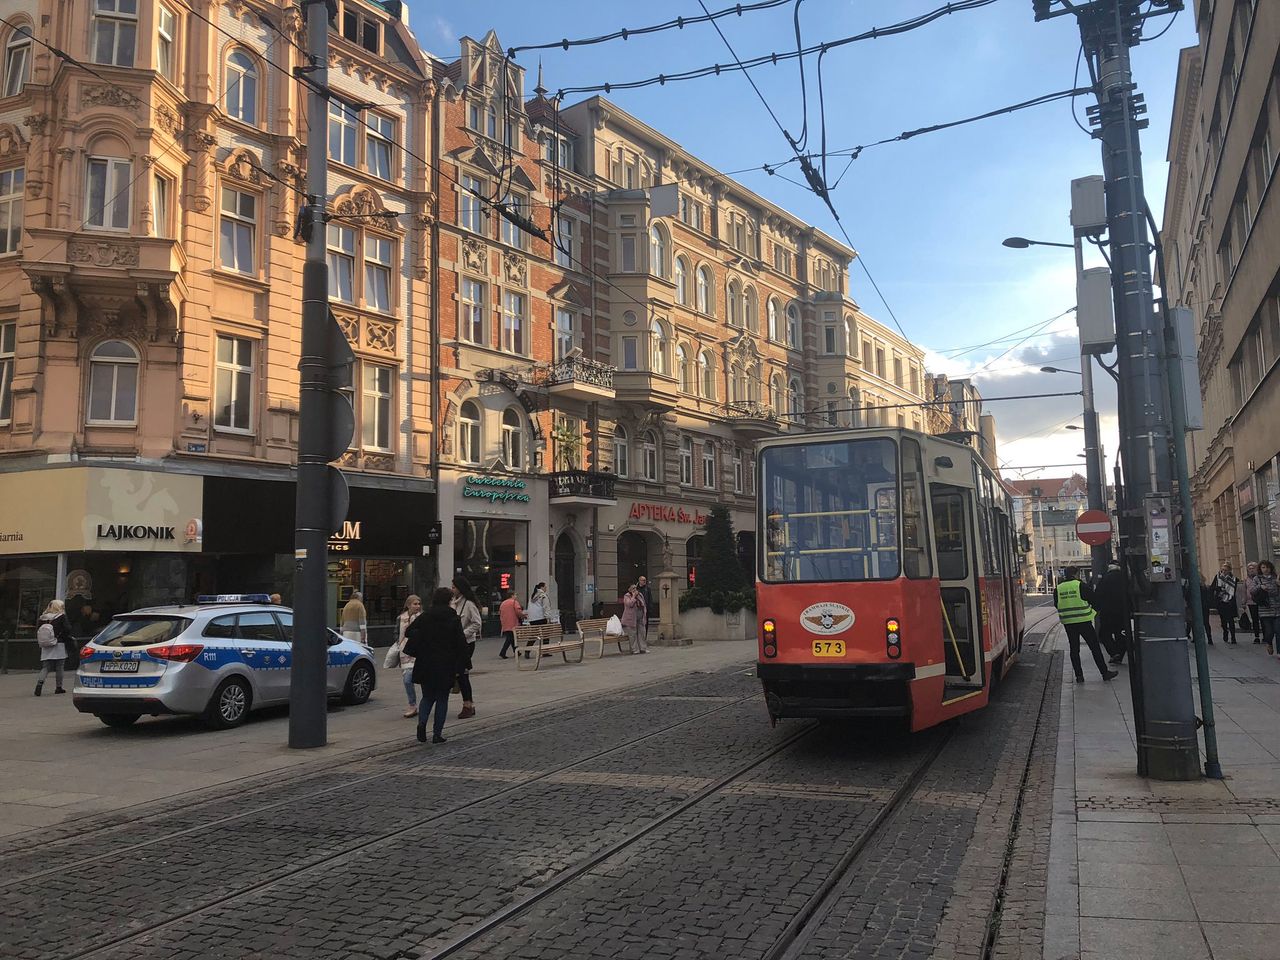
<point x="119" y="719"/>
<point x="359" y="684"/>
<point x="229" y="704"/>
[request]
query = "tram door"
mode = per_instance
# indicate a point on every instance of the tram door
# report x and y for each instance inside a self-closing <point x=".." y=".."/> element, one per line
<point x="957" y="571"/>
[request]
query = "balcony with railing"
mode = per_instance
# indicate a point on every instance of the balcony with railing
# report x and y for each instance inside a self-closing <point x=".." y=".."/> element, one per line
<point x="577" y="378"/>
<point x="753" y="419"/>
<point x="586" y="487"/>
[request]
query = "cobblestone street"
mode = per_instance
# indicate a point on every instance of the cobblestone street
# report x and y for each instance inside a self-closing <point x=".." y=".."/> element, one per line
<point x="666" y="820"/>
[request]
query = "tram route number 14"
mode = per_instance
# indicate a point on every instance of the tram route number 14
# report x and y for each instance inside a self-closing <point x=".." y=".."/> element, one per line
<point x="828" y="648"/>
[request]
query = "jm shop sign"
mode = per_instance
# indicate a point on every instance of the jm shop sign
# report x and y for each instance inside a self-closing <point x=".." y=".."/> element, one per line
<point x="666" y="513"/>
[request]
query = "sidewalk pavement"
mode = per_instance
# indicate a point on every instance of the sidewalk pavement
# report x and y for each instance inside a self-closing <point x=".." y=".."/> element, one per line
<point x="1143" y="869"/>
<point x="57" y="764"/>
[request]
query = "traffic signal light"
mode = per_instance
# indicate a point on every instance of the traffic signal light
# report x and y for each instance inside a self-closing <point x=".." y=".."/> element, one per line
<point x="1041" y="9"/>
<point x="340" y="419"/>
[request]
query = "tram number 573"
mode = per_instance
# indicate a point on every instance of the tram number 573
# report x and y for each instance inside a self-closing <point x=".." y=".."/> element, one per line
<point x="828" y="648"/>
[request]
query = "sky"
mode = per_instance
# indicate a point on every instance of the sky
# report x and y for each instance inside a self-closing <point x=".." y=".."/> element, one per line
<point x="927" y="215"/>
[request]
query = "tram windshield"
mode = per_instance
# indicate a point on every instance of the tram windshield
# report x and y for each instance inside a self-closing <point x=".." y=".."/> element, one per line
<point x="830" y="511"/>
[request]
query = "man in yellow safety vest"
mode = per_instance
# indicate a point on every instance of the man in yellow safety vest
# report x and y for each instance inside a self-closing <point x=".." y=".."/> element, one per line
<point x="1072" y="597"/>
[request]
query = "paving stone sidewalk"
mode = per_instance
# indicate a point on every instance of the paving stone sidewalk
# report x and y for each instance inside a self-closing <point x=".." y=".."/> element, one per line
<point x="1145" y="870"/>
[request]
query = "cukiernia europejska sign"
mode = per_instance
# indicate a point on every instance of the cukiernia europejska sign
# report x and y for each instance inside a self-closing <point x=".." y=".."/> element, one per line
<point x="495" y="489"/>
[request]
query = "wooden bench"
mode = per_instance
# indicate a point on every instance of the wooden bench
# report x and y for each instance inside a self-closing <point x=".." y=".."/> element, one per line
<point x="592" y="631"/>
<point x="533" y="641"/>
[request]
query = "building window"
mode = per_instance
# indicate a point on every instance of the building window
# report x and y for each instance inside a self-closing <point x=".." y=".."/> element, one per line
<point x="566" y="332"/>
<point x="233" y="383"/>
<point x="897" y="372"/>
<point x="704" y="291"/>
<point x="242" y="88"/>
<point x="342" y="263"/>
<point x="469" y="433"/>
<point x="472" y="325"/>
<point x="378" y="258"/>
<point x="11" y="188"/>
<point x="657" y="348"/>
<point x="657" y="251"/>
<point x="690" y="212"/>
<point x="375" y="406"/>
<point x="709" y="465"/>
<point x="564" y="242"/>
<point x="364" y="31"/>
<point x="778" y="396"/>
<point x="568" y="443"/>
<point x="161" y="206"/>
<point x="115" y="31"/>
<point x="750" y="310"/>
<point x="650" y="448"/>
<point x="686" y="462"/>
<point x="166" y="42"/>
<point x="630" y="353"/>
<point x="621" y="453"/>
<point x="17" y="62"/>
<point x="238" y="228"/>
<point x="113" y="383"/>
<point x="511" y="234"/>
<point x="558" y="151"/>
<point x="793" y="326"/>
<point x="8" y="345"/>
<point x="109" y="193"/>
<point x="771" y="310"/>
<point x="795" y="399"/>
<point x="732" y="304"/>
<point x="513" y="338"/>
<point x="707" y="375"/>
<point x="470" y="206"/>
<point x="482" y="118"/>
<point x="681" y="277"/>
<point x="628" y="254"/>
<point x="880" y="368"/>
<point x="737" y="471"/>
<point x="682" y="369"/>
<point x="782" y="259"/>
<point x="379" y="150"/>
<point x="343" y="121"/>
<point x="512" y="439"/>
<point x="829" y="338"/>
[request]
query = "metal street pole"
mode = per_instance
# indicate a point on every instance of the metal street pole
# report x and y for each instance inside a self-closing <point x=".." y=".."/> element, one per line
<point x="1168" y="748"/>
<point x="308" y="700"/>
<point x="1093" y="469"/>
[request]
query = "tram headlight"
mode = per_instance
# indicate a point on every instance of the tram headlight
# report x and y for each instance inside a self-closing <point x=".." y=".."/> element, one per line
<point x="893" y="638"/>
<point x="770" y="630"/>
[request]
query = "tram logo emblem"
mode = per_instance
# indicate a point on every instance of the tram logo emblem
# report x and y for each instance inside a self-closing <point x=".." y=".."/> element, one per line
<point x="826" y="618"/>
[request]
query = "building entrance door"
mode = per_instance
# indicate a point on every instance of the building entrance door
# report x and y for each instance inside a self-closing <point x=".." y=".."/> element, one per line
<point x="566" y="572"/>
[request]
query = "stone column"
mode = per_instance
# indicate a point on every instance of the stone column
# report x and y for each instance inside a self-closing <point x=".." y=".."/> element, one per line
<point x="669" y="604"/>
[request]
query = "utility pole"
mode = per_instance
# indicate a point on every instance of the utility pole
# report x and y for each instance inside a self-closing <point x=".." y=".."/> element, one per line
<point x="1093" y="468"/>
<point x="1168" y="748"/>
<point x="326" y="421"/>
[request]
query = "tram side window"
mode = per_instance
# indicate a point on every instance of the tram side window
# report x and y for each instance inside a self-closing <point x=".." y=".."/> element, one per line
<point x="916" y="562"/>
<point x="949" y="533"/>
<point x="830" y="511"/>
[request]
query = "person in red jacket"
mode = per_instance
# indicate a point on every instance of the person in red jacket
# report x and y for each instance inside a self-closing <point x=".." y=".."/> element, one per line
<point x="510" y="613"/>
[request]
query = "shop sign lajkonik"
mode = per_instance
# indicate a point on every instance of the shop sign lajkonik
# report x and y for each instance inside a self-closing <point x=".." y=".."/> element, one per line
<point x="497" y="490"/>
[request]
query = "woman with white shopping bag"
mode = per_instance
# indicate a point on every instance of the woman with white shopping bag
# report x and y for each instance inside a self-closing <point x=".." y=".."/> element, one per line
<point x="395" y="654"/>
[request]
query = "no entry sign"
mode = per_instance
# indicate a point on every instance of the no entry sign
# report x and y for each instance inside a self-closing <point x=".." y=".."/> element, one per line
<point x="1094" y="528"/>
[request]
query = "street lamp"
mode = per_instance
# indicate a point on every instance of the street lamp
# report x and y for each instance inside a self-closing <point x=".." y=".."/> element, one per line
<point x="1021" y="243"/>
<point x="1059" y="370"/>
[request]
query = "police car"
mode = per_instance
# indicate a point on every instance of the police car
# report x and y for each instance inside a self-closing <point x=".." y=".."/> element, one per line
<point x="219" y="659"/>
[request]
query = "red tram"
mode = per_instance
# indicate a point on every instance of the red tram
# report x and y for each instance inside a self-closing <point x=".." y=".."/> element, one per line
<point x="888" y="582"/>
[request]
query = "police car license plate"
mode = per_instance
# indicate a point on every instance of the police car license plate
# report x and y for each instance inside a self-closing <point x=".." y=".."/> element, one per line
<point x="120" y="666"/>
<point x="828" y="648"/>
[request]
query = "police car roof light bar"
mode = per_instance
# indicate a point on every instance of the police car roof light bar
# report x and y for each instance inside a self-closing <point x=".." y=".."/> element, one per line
<point x="234" y="598"/>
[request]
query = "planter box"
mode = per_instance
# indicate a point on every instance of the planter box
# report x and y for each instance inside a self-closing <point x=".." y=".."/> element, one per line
<point x="702" y="624"/>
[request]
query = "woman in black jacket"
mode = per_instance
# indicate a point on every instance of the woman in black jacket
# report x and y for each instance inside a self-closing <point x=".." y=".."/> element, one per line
<point x="436" y="642"/>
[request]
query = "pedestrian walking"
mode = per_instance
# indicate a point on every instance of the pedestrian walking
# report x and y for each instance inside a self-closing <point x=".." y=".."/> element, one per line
<point x="1267" y="596"/>
<point x="53" y="634"/>
<point x="646" y="594"/>
<point x="439" y="648"/>
<point x="1111" y="600"/>
<point x="1251" y="608"/>
<point x="412" y="610"/>
<point x="537" y="609"/>
<point x="1071" y="598"/>
<point x="1226" y="590"/>
<point x="510" y="613"/>
<point x="467" y="607"/>
<point x="633" y="611"/>
<point x="354" y="619"/>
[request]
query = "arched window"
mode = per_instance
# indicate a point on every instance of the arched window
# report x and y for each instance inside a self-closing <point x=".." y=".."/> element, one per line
<point x="850" y="337"/>
<point x="682" y="281"/>
<point x="657" y="251"/>
<point x="242" y="87"/>
<point x="512" y="439"/>
<point x="703" y="302"/>
<point x="650" y="465"/>
<point x="795" y="398"/>
<point x="750" y="310"/>
<point x="737" y="384"/>
<point x="778" y="396"/>
<point x="733" y="303"/>
<point x="753" y="383"/>
<point x="17" y="62"/>
<point x="707" y="375"/>
<point x="793" y="326"/>
<point x="682" y="368"/>
<point x="855" y="403"/>
<point x="657" y="348"/>
<point x="686" y="461"/>
<point x="469" y="433"/>
<point x="621" y="452"/>
<point x="113" y="383"/>
<point x="773" y="318"/>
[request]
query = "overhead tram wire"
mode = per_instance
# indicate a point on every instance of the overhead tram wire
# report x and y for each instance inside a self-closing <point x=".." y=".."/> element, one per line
<point x="925" y="404"/>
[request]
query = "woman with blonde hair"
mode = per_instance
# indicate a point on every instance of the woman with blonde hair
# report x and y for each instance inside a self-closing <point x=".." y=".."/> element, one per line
<point x="355" y="621"/>
<point x="412" y="608"/>
<point x="53" y="635"/>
